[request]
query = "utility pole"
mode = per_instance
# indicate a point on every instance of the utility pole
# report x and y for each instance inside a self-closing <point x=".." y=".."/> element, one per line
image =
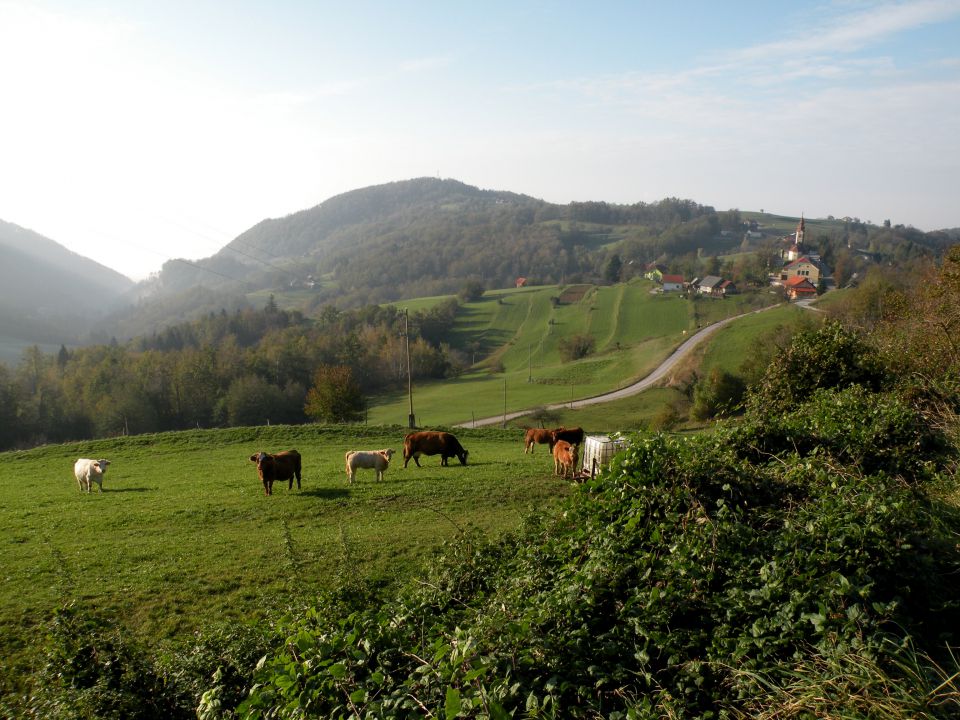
<point x="406" y="334"/>
<point x="504" y="403"/>
<point x="529" y="362"/>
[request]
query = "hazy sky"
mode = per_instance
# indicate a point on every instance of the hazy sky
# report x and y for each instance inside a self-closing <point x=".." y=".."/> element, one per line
<point x="132" y="131"/>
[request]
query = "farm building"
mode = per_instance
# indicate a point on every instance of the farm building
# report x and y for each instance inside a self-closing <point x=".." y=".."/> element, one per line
<point x="673" y="283"/>
<point x="799" y="287"/>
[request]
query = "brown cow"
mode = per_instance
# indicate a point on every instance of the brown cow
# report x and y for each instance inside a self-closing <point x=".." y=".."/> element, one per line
<point x="281" y="466"/>
<point x="565" y="458"/>
<point x="574" y="436"/>
<point x="537" y="435"/>
<point x="431" y="442"/>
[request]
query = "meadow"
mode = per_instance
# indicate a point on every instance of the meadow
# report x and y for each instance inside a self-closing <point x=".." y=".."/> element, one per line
<point x="516" y="335"/>
<point x="183" y="538"/>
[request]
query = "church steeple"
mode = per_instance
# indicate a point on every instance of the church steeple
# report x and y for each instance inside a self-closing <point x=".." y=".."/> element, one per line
<point x="801" y="229"/>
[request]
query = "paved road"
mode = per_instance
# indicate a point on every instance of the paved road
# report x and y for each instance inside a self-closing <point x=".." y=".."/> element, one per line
<point x="649" y="381"/>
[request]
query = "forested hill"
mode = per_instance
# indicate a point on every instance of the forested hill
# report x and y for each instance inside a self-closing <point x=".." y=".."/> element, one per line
<point x="429" y="236"/>
<point x="50" y="294"/>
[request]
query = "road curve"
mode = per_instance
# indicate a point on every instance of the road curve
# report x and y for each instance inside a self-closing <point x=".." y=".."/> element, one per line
<point x="649" y="381"/>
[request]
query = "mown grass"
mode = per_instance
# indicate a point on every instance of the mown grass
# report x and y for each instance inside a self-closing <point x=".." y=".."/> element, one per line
<point x="183" y="537"/>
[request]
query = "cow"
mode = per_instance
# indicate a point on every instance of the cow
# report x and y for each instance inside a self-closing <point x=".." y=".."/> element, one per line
<point x="565" y="458"/>
<point x="378" y="460"/>
<point x="431" y="442"/>
<point x="574" y="436"/>
<point x="281" y="466"/>
<point x="88" y="471"/>
<point x="535" y="436"/>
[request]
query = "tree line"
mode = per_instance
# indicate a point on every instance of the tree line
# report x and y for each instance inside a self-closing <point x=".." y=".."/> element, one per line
<point x="226" y="369"/>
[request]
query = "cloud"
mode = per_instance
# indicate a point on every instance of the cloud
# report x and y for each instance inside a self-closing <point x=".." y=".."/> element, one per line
<point x="424" y="64"/>
<point x="854" y="31"/>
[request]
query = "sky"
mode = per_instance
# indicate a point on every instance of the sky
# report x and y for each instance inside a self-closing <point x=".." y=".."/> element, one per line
<point x="134" y="131"/>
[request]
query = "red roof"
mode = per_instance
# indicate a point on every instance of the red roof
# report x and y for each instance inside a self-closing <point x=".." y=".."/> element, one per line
<point x="799" y="284"/>
<point x="673" y="279"/>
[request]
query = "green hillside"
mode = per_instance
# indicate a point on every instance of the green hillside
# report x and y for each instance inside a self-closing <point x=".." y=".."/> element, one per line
<point x="521" y="332"/>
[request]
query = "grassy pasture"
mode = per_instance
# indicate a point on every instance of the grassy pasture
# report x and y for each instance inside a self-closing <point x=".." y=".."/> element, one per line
<point x="522" y="330"/>
<point x="183" y="537"/>
<point x="727" y="350"/>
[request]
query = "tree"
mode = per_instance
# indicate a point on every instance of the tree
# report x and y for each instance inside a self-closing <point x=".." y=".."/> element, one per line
<point x="251" y="400"/>
<point x="719" y="394"/>
<point x="473" y="290"/>
<point x="335" y="395"/>
<point x="828" y="357"/>
<point x="613" y="269"/>
<point x="576" y="347"/>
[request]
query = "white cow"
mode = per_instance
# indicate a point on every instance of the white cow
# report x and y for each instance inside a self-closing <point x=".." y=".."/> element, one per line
<point x="377" y="460"/>
<point x="87" y="470"/>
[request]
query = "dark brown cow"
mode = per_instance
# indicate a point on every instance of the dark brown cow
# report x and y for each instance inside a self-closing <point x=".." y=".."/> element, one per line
<point x="537" y="435"/>
<point x="574" y="436"/>
<point x="281" y="466"/>
<point x="565" y="458"/>
<point x="431" y="442"/>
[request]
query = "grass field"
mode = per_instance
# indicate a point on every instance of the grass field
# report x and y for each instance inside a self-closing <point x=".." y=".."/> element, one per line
<point x="521" y="331"/>
<point x="183" y="537"/>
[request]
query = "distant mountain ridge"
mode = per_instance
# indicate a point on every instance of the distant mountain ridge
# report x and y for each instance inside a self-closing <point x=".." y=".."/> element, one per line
<point x="51" y="294"/>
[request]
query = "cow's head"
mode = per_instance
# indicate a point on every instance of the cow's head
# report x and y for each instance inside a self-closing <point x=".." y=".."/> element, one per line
<point x="388" y="453"/>
<point x="259" y="458"/>
<point x="101" y="465"/>
<point x="462" y="457"/>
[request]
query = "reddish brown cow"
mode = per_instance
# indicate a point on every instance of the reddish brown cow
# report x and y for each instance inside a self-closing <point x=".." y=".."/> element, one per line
<point x="281" y="466"/>
<point x="535" y="436"/>
<point x="574" y="436"/>
<point x="431" y="442"/>
<point x="565" y="458"/>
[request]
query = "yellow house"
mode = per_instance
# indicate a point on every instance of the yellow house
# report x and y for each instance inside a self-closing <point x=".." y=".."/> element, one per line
<point x="804" y="267"/>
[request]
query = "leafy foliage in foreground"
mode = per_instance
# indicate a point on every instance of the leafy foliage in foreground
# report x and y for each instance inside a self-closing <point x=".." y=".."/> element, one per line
<point x="693" y="579"/>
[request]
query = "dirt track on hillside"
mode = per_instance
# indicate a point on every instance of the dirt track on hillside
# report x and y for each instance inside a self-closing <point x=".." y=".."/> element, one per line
<point x="649" y="381"/>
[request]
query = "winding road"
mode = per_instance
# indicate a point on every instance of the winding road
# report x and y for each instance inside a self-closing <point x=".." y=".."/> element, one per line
<point x="649" y="381"/>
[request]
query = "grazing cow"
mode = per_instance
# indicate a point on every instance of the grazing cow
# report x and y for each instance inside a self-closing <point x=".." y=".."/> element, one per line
<point x="565" y="458"/>
<point x="378" y="460"/>
<point x="90" y="470"/>
<point x="282" y="466"/>
<point x="535" y="436"/>
<point x="431" y="442"/>
<point x="574" y="436"/>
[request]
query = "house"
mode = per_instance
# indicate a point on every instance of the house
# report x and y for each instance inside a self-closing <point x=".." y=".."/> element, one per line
<point x="799" y="287"/>
<point x="521" y="281"/>
<point x="807" y="266"/>
<point x="673" y="283"/>
<point x="728" y="288"/>
<point x="710" y="285"/>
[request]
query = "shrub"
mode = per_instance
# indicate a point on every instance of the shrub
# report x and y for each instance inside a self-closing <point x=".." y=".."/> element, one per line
<point x="576" y="347"/>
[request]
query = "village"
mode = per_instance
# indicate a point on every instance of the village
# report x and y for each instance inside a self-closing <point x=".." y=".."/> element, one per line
<point x="802" y="276"/>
